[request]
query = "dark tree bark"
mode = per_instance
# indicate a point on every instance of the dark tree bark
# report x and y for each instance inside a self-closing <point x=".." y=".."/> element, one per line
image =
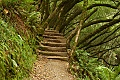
<point x="64" y="11"/>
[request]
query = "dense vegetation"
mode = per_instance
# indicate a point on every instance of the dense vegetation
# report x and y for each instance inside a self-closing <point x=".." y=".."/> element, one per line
<point x="16" y="54"/>
<point x="92" y="29"/>
<point x="17" y="43"/>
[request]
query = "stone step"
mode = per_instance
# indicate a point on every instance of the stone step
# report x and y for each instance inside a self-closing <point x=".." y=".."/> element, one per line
<point x="57" y="58"/>
<point x="55" y="40"/>
<point x="63" y="54"/>
<point x="53" y="49"/>
<point x="51" y="31"/>
<point x="53" y="44"/>
<point x="53" y="37"/>
<point x="53" y="34"/>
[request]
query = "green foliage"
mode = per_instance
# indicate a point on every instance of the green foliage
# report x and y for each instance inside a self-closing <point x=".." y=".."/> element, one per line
<point x="85" y="66"/>
<point x="26" y="6"/>
<point x="88" y="68"/>
<point x="28" y="1"/>
<point x="118" y="77"/>
<point x="105" y="73"/>
<point x="12" y="3"/>
<point x="16" y="55"/>
<point x="8" y="3"/>
<point x="34" y="18"/>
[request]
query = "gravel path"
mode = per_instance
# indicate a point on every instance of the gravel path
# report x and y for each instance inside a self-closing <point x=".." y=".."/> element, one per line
<point x="49" y="69"/>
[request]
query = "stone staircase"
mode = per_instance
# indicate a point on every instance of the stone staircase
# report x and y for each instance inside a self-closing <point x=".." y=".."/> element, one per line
<point x="53" y="45"/>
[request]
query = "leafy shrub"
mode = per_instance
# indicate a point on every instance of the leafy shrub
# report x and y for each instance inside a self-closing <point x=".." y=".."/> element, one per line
<point x="16" y="55"/>
<point x="88" y="68"/>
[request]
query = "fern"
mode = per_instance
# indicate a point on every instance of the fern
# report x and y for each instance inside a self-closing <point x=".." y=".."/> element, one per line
<point x="16" y="55"/>
<point x="118" y="77"/>
<point x="105" y="73"/>
<point x="90" y="69"/>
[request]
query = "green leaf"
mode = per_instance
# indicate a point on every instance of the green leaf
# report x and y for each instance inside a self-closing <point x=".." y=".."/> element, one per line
<point x="118" y="77"/>
<point x="105" y="73"/>
<point x="14" y="63"/>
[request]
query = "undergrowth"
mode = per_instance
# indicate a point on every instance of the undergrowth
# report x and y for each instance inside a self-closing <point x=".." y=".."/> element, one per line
<point x="16" y="53"/>
<point x="88" y="68"/>
<point x="17" y="50"/>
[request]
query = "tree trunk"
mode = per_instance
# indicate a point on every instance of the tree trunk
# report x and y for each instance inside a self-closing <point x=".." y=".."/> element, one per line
<point x="53" y="15"/>
<point x="47" y="6"/>
<point x="65" y="10"/>
<point x="71" y="54"/>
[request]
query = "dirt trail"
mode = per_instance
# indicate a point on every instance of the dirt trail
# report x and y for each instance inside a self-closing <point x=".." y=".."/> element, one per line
<point x="50" y="69"/>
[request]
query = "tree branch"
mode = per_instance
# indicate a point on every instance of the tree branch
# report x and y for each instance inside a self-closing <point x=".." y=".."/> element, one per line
<point x="91" y="13"/>
<point x="104" y="50"/>
<point x="108" y="62"/>
<point x="111" y="23"/>
<point x="88" y="43"/>
<point x="102" y="41"/>
<point x="73" y="16"/>
<point x="95" y="22"/>
<point x="105" y="5"/>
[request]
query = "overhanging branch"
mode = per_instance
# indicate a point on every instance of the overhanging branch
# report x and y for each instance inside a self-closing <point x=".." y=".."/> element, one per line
<point x="95" y="22"/>
<point x="104" y="5"/>
<point x="111" y="23"/>
<point x="102" y="41"/>
<point x="104" y="51"/>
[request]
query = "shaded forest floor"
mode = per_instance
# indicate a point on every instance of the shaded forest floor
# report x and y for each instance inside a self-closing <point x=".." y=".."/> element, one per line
<point x="50" y="69"/>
